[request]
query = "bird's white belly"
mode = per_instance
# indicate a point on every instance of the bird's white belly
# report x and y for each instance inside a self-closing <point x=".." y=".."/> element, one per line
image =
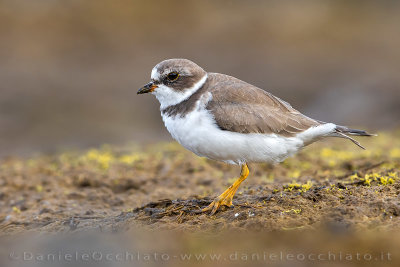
<point x="198" y="133"/>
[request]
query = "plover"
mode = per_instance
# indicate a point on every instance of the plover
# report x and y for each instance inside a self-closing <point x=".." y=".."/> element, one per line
<point x="223" y="118"/>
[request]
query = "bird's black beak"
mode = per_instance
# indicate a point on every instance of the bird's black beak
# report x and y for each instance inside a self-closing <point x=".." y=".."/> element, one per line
<point x="148" y="88"/>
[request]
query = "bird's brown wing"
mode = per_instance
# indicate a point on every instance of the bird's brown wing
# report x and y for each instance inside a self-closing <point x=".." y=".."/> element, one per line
<point x="241" y="107"/>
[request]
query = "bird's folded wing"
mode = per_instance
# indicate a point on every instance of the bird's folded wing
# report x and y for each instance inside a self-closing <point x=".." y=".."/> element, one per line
<point x="240" y="107"/>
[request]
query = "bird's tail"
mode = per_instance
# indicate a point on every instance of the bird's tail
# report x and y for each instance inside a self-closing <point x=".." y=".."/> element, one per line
<point x="344" y="132"/>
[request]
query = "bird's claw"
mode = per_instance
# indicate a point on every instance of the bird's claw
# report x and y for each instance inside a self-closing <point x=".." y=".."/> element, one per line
<point x="218" y="203"/>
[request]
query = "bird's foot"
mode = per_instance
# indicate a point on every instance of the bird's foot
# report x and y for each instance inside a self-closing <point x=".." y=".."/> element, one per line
<point x="225" y="199"/>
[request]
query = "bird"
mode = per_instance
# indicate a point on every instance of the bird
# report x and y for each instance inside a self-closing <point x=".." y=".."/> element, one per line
<point x="223" y="118"/>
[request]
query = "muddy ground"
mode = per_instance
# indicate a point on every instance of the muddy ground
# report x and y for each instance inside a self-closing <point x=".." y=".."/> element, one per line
<point x="329" y="184"/>
<point x="332" y="197"/>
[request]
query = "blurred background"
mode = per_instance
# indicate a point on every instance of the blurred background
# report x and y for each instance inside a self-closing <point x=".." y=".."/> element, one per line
<point x="70" y="69"/>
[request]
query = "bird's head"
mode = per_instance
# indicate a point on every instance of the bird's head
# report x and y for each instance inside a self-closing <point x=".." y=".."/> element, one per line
<point x="174" y="80"/>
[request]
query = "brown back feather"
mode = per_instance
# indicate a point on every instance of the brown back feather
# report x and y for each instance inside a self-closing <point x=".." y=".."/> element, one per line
<point x="241" y="107"/>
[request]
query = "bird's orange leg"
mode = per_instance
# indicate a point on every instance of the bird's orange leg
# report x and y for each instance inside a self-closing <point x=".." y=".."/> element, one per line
<point x="225" y="199"/>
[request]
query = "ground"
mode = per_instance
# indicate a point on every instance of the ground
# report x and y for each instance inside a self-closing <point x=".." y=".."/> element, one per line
<point x="331" y="184"/>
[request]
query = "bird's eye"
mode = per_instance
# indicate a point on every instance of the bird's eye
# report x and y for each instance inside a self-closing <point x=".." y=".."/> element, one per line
<point x="172" y="76"/>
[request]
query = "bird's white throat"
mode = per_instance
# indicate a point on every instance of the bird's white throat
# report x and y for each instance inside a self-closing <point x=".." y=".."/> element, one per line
<point x="169" y="97"/>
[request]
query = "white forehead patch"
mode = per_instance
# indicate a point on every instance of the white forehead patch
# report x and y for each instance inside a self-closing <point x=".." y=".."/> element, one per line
<point x="155" y="75"/>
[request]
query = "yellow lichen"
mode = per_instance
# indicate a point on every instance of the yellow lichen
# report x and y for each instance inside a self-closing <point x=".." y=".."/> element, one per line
<point x="297" y="186"/>
<point x="296" y="211"/>
<point x="294" y="174"/>
<point x="395" y="153"/>
<point x="16" y="209"/>
<point x="354" y="177"/>
<point x="39" y="188"/>
<point x="129" y="159"/>
<point x="366" y="180"/>
<point x="102" y="157"/>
